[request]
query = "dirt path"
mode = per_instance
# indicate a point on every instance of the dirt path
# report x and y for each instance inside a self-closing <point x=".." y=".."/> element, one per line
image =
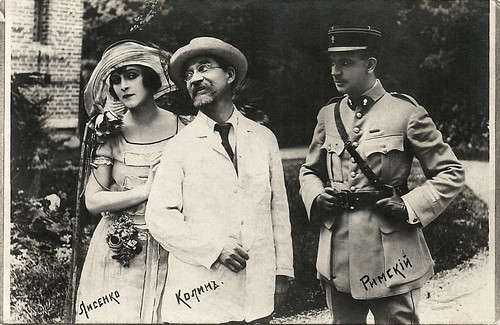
<point x="477" y="177"/>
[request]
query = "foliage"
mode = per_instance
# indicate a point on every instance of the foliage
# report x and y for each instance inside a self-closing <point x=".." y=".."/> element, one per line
<point x="30" y="142"/>
<point x="434" y="50"/>
<point x="146" y="16"/>
<point x="41" y="248"/>
<point x="41" y="238"/>
<point x="452" y="69"/>
<point x="457" y="235"/>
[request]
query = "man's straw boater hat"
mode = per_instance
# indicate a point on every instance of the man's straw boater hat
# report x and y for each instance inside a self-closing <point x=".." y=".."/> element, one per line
<point x="209" y="46"/>
<point x="343" y="38"/>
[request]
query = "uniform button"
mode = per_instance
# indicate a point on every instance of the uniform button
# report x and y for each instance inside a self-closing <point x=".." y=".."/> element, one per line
<point x="356" y="130"/>
<point x="359" y="115"/>
<point x="353" y="188"/>
<point x="353" y="174"/>
<point x="353" y="160"/>
<point x="329" y="148"/>
<point x="351" y="207"/>
<point x="355" y="144"/>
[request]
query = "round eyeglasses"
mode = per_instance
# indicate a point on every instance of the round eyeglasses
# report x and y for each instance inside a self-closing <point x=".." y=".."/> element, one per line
<point x="202" y="69"/>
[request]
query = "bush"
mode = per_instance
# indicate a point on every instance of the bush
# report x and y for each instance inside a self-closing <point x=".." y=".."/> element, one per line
<point x="30" y="139"/>
<point x="456" y="236"/>
<point x="41" y="232"/>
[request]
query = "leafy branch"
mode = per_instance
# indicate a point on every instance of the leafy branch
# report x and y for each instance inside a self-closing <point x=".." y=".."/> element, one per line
<point x="145" y="17"/>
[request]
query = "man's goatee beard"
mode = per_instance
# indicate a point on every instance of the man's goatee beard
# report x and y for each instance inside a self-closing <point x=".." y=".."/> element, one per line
<point x="202" y="101"/>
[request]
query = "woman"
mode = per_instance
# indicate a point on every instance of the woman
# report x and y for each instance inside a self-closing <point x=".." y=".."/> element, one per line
<point x="125" y="268"/>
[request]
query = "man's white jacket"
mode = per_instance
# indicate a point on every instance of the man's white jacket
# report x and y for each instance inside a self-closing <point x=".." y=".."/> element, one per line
<point x="198" y="201"/>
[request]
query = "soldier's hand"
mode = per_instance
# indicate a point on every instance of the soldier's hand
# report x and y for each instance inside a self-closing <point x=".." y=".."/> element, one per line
<point x="324" y="205"/>
<point x="233" y="256"/>
<point x="392" y="206"/>
<point x="326" y="201"/>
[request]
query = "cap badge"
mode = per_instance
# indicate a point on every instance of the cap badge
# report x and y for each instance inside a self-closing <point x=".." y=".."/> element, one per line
<point x="365" y="101"/>
<point x="333" y="39"/>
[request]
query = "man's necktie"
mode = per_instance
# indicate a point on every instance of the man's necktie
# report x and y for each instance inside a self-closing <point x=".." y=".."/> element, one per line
<point x="223" y="129"/>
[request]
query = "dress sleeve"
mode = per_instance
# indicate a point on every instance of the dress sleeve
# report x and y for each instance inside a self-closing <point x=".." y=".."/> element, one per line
<point x="104" y="154"/>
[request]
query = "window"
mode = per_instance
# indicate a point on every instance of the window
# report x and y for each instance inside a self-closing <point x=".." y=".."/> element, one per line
<point x="41" y="28"/>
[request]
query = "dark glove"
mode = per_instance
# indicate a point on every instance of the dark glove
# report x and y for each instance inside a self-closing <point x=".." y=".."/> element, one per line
<point x="324" y="205"/>
<point x="392" y="206"/>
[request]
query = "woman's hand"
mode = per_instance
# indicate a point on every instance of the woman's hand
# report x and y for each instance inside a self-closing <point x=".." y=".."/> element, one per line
<point x="99" y="199"/>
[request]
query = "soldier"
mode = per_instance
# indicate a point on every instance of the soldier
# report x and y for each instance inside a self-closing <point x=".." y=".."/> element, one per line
<point x="372" y="254"/>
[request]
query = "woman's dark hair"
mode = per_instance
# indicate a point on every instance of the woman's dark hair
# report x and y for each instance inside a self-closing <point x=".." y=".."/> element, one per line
<point x="150" y="79"/>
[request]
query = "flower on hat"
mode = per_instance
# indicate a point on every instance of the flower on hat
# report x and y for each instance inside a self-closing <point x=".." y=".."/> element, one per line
<point x="105" y="125"/>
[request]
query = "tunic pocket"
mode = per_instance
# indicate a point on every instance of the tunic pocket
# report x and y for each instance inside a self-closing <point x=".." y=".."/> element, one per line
<point x="334" y="147"/>
<point x="384" y="154"/>
<point x="406" y="255"/>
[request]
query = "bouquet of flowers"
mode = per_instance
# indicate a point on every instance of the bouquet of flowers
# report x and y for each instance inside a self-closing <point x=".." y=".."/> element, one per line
<point x="122" y="240"/>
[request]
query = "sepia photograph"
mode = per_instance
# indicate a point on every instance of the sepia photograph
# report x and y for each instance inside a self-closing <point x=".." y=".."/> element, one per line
<point x="248" y="161"/>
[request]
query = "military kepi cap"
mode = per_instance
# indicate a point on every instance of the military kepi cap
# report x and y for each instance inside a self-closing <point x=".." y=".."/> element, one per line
<point x="344" y="38"/>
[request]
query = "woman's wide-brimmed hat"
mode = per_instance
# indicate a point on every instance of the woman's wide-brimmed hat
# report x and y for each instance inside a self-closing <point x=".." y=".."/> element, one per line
<point x="212" y="47"/>
<point x="126" y="52"/>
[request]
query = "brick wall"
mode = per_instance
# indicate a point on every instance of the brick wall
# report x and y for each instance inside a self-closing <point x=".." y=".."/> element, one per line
<point x="46" y="38"/>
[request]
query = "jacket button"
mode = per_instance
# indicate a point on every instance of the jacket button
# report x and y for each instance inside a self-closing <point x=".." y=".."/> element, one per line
<point x="356" y="130"/>
<point x="355" y="144"/>
<point x="353" y="160"/>
<point x="329" y="148"/>
<point x="359" y="115"/>
<point x="353" y="188"/>
<point x="353" y="174"/>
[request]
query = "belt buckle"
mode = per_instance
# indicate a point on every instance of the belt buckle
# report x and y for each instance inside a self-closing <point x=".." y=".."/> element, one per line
<point x="344" y="199"/>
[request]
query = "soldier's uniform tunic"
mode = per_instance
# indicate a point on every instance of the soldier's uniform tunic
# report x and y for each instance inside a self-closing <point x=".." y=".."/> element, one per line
<point x="360" y="251"/>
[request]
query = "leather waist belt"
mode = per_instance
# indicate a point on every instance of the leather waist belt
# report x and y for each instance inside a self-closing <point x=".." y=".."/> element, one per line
<point x="362" y="199"/>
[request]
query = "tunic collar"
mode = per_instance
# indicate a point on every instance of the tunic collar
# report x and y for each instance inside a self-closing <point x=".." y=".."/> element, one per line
<point x="368" y="98"/>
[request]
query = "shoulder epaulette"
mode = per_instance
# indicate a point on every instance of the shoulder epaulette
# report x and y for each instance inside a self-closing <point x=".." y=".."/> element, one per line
<point x="335" y="99"/>
<point x="406" y="98"/>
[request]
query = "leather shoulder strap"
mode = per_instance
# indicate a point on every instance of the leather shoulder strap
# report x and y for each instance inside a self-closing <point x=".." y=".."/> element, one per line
<point x="337" y="99"/>
<point x="367" y="171"/>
